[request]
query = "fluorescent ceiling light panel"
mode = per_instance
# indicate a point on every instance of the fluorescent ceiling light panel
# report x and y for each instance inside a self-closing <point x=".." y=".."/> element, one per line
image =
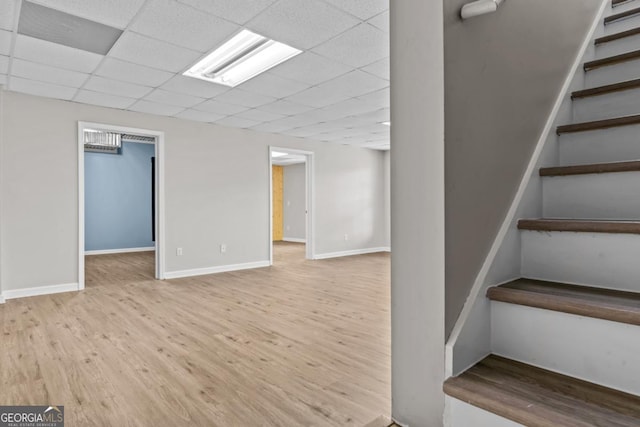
<point x="278" y="154"/>
<point x="244" y="56"/>
<point x="386" y="123"/>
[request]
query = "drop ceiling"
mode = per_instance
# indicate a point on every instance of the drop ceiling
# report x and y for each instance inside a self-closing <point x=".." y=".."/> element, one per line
<point x="336" y="91"/>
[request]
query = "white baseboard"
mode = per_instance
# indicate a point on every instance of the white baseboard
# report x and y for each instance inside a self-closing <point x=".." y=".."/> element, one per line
<point x="352" y="252"/>
<point x="1" y="299"/>
<point x="120" y="251"/>
<point x="213" y="270"/>
<point x="39" y="290"/>
<point x="294" y="240"/>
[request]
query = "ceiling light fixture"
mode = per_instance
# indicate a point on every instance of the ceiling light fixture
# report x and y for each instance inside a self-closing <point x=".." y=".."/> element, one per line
<point x="244" y="56"/>
<point x="278" y="154"/>
<point x="386" y="123"/>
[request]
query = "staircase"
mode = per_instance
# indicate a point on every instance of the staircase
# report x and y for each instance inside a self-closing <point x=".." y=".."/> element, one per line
<point x="566" y="337"/>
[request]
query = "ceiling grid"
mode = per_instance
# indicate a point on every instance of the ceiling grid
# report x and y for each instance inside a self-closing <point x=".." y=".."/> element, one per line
<point x="336" y="91"/>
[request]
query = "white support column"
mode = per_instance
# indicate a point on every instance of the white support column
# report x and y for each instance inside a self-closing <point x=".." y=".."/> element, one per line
<point x="417" y="212"/>
<point x="1" y="181"/>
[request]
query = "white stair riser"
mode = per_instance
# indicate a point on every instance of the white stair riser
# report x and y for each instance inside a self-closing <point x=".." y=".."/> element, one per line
<point x="462" y="414"/>
<point x="600" y="146"/>
<point x="594" y="350"/>
<point x="610" y="74"/>
<point x="622" y="7"/>
<point x="592" y="196"/>
<point x="617" y="47"/>
<point x="622" y="25"/>
<point x="616" y="104"/>
<point x="599" y="259"/>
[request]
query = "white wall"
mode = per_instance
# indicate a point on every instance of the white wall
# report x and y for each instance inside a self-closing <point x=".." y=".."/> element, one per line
<point x="417" y="217"/>
<point x="387" y="198"/>
<point x="217" y="191"/>
<point x="294" y="201"/>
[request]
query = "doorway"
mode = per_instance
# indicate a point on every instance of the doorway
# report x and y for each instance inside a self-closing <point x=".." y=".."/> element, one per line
<point x="291" y="198"/>
<point x="109" y="139"/>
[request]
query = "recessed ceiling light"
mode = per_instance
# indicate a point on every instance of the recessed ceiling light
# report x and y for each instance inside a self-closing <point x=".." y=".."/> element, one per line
<point x="386" y="123"/>
<point x="244" y="56"/>
<point x="278" y="154"/>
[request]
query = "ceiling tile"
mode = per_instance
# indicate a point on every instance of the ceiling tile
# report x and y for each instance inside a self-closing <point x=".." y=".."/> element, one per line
<point x="3" y="79"/>
<point x="55" y="55"/>
<point x="132" y="73"/>
<point x="302" y="23"/>
<point x="244" y="98"/>
<point x="183" y="25"/>
<point x="379" y="68"/>
<point x="8" y="14"/>
<point x="47" y="90"/>
<point x="238" y="11"/>
<point x="273" y="85"/>
<point x="350" y="107"/>
<point x="4" y="64"/>
<point x="285" y="108"/>
<point x="155" y="108"/>
<point x="381" y="21"/>
<point x="357" y="47"/>
<point x="363" y="9"/>
<point x="5" y="42"/>
<point x="316" y="97"/>
<point x="222" y="108"/>
<point x="143" y="50"/>
<point x="310" y="68"/>
<point x="103" y="99"/>
<point x="272" y="127"/>
<point x="172" y="98"/>
<point x="292" y="122"/>
<point x="199" y="116"/>
<point x="355" y="83"/>
<point x="236" y="122"/>
<point x="116" y="87"/>
<point x="116" y="13"/>
<point x="379" y="98"/>
<point x="259" y="116"/>
<point x="298" y="132"/>
<point x="58" y="76"/>
<point x="195" y="87"/>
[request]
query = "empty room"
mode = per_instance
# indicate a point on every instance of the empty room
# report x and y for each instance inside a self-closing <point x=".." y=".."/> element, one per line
<point x="147" y="274"/>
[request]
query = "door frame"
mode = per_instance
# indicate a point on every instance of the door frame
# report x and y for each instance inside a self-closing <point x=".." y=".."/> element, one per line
<point x="309" y="200"/>
<point x="158" y="196"/>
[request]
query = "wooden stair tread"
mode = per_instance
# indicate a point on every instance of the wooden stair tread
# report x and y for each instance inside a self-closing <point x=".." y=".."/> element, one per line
<point x="599" y="124"/>
<point x="622" y="15"/>
<point x="600" y="303"/>
<point x="585" y="226"/>
<point x="539" y="398"/>
<point x="617" y="36"/>
<point x="611" y="60"/>
<point x="603" y="90"/>
<point x="613" y="167"/>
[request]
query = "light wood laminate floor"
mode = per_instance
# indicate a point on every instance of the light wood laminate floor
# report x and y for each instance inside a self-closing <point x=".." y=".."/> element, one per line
<point x="302" y="343"/>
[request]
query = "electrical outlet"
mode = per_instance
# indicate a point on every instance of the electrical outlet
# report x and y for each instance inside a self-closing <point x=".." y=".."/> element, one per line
<point x="223" y="248"/>
<point x="346" y="237"/>
<point x="179" y="251"/>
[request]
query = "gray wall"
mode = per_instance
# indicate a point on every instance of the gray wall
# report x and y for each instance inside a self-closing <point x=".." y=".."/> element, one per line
<point x="294" y="200"/>
<point x="417" y="216"/>
<point x="217" y="191"/>
<point x="503" y="72"/>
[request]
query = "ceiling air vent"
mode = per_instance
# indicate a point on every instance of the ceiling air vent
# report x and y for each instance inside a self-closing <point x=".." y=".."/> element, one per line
<point x="62" y="28"/>
<point x="96" y="141"/>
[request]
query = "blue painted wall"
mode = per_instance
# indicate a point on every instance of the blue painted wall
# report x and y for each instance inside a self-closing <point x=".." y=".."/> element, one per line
<point x="117" y="198"/>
